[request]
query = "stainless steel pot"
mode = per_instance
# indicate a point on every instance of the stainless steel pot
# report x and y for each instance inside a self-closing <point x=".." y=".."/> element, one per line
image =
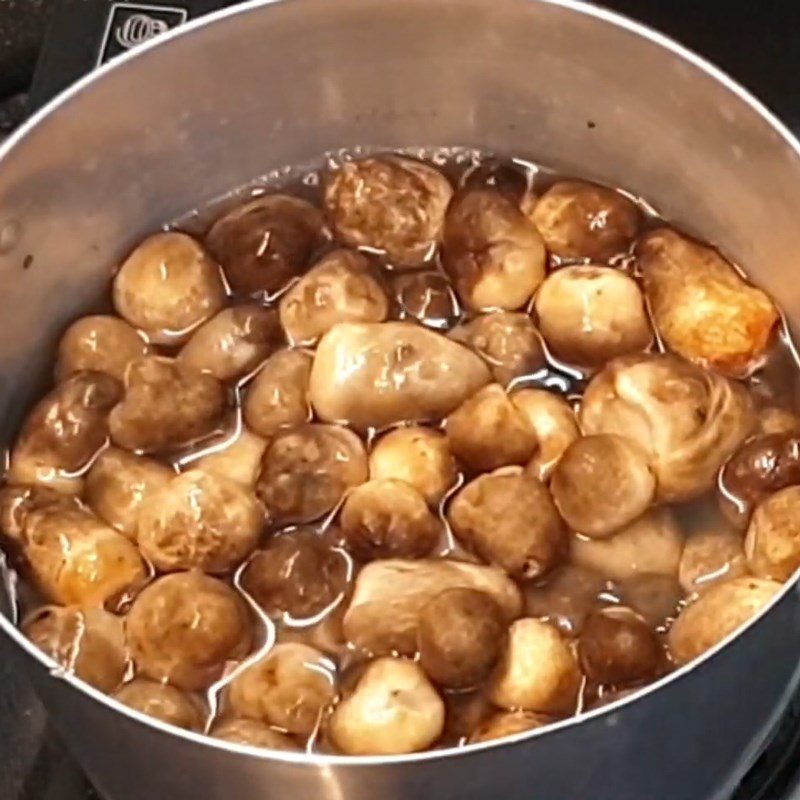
<point x="275" y="83"/>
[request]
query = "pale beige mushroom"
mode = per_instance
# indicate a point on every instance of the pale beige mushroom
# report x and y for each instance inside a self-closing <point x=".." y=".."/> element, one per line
<point x="602" y="483"/>
<point x="591" y="314"/>
<point x="167" y="287"/>
<point x="702" y="307"/>
<point x="234" y="342"/>
<point x="651" y="544"/>
<point x="419" y="456"/>
<point x="492" y="252"/>
<point x="341" y="287"/>
<point x="391" y="204"/>
<point x="373" y="375"/>
<point x="537" y="672"/>
<point x="389" y="595"/>
<point x="183" y="629"/>
<point x="264" y="243"/>
<point x="394" y="709"/>
<point x="289" y="688"/>
<point x="198" y="519"/>
<point x="584" y="220"/>
<point x="90" y="643"/>
<point x="688" y="420"/>
<point x="508" y="519"/>
<point x="716" y="614"/>
<point x="101" y="343"/>
<point x="278" y="396"/>
<point x="507" y="341"/>
<point x="554" y="423"/>
<point x="119" y="482"/>
<point x="167" y="404"/>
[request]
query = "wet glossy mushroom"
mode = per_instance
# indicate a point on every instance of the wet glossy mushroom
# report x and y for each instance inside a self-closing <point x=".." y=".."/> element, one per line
<point x="772" y="543"/>
<point x="167" y="287"/>
<point x="388" y="519"/>
<point x="305" y="471"/>
<point x="183" y="628"/>
<point x="491" y="251"/>
<point x="119" y="482"/>
<point x="90" y="643"/>
<point x="238" y="460"/>
<point x="252" y="733"/>
<point x="164" y="703"/>
<point x="703" y="308"/>
<point x="266" y="242"/>
<point x="341" y="287"/>
<point x="234" y="342"/>
<point x="373" y="375"/>
<point x="100" y="343"/>
<point x="507" y="341"/>
<point x="391" y="204"/>
<point x="167" y="404"/>
<point x="602" y="483"/>
<point x="584" y="220"/>
<point x="418" y="456"/>
<point x="711" y="556"/>
<point x="394" y="709"/>
<point x="591" y="314"/>
<point x="278" y="396"/>
<point x="428" y="298"/>
<point x="488" y="431"/>
<point x="64" y="432"/>
<point x="290" y="688"/>
<point x="298" y="573"/>
<point x="198" y="519"/>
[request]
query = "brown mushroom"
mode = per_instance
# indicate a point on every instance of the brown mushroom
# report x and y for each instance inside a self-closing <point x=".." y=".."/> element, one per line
<point x="306" y="471"/>
<point x="507" y="341"/>
<point x="341" y="287"/>
<point x="200" y="520"/>
<point x="508" y="518"/>
<point x="491" y="251"/>
<point x="298" y="574"/>
<point x="702" y="307"/>
<point x="164" y="703"/>
<point x="373" y="375"/>
<point x="711" y="556"/>
<point x="119" y="482"/>
<point x="167" y="404"/>
<point x="100" y="343"/>
<point x="488" y="431"/>
<point x="266" y="242"/>
<point x="278" y="396"/>
<point x="233" y="343"/>
<point x="428" y="298"/>
<point x="459" y="637"/>
<point x="167" y="287"/>
<point x="583" y="220"/>
<point x="388" y="519"/>
<point x="64" y="432"/>
<point x="687" y="420"/>
<point x="602" y="483"/>
<point x="238" y="460"/>
<point x="183" y="628"/>
<point x="772" y="544"/>
<point x="391" y="204"/>
<point x="252" y="733"/>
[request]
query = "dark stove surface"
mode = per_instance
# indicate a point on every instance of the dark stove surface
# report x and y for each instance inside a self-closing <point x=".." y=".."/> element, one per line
<point x="757" y="43"/>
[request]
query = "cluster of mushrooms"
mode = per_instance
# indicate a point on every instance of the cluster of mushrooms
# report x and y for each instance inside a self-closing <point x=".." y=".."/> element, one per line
<point x="309" y="487"/>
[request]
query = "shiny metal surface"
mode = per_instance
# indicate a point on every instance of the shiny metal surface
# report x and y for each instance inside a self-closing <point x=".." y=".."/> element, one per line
<point x="278" y="83"/>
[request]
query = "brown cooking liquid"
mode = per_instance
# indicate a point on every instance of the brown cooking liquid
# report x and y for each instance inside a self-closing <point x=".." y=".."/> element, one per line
<point x="568" y="594"/>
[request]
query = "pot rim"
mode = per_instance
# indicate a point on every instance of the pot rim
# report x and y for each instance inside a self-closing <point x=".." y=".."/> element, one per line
<point x="316" y="760"/>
